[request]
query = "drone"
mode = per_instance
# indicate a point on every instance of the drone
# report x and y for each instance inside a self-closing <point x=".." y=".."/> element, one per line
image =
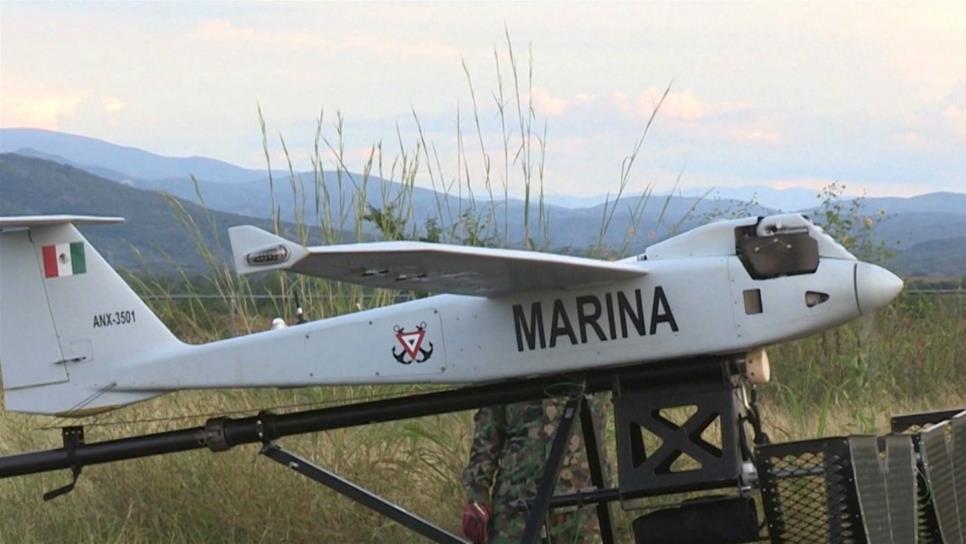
<point x="730" y="287"/>
<point x="684" y="323"/>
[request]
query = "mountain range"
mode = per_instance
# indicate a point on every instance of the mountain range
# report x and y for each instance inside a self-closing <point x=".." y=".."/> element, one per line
<point x="44" y="171"/>
<point x="153" y="238"/>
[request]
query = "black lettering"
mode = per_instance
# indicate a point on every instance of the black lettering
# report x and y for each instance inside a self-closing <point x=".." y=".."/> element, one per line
<point x="612" y="324"/>
<point x="111" y="319"/>
<point x="666" y="316"/>
<point x="584" y="319"/>
<point x="532" y="331"/>
<point x="625" y="310"/>
<point x="560" y="324"/>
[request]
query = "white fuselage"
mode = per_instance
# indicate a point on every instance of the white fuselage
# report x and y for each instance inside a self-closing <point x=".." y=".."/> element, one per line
<point x="681" y="308"/>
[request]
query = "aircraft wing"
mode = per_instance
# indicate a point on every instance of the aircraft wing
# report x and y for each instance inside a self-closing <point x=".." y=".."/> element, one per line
<point x="421" y="266"/>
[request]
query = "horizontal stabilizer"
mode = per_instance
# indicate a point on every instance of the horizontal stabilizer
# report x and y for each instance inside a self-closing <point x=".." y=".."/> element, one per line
<point x="429" y="267"/>
<point x="30" y="221"/>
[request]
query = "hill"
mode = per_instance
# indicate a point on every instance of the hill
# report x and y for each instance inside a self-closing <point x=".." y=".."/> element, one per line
<point x="130" y="161"/>
<point x="943" y="258"/>
<point x="916" y="229"/>
<point x="153" y="237"/>
<point x="247" y="192"/>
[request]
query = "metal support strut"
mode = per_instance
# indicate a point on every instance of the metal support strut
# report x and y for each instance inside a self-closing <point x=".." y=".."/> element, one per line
<point x="359" y="494"/>
<point x="73" y="437"/>
<point x="595" y="459"/>
<point x="551" y="469"/>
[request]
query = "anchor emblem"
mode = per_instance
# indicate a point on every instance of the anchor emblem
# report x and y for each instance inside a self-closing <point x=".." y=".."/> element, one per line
<point x="412" y="345"/>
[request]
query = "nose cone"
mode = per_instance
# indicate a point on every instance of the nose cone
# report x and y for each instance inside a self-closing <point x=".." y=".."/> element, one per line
<point x="874" y="287"/>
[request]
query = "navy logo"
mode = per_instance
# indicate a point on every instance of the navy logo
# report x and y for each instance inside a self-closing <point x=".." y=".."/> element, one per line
<point x="412" y="345"/>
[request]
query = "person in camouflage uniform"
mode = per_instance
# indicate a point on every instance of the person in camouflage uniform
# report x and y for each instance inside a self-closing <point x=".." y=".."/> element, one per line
<point x="510" y="445"/>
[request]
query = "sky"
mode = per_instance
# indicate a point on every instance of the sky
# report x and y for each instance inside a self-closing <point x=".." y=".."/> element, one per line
<point x="781" y="94"/>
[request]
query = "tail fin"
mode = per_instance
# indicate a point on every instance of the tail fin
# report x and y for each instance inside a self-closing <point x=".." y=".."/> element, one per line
<point x="66" y="319"/>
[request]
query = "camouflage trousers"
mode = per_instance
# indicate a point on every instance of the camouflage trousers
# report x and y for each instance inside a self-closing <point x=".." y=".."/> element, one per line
<point x="523" y="465"/>
<point x="577" y="526"/>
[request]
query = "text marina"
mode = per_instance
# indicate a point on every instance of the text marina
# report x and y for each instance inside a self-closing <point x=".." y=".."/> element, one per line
<point x="613" y="316"/>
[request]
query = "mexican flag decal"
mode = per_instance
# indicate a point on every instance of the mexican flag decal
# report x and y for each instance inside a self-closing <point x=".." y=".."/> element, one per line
<point x="64" y="260"/>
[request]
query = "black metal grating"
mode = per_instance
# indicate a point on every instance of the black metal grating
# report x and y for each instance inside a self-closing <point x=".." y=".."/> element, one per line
<point x="938" y="458"/>
<point x="927" y="525"/>
<point x="914" y="423"/>
<point x="885" y="480"/>
<point x="808" y="492"/>
<point x="957" y="446"/>
<point x="711" y="460"/>
<point x="917" y="425"/>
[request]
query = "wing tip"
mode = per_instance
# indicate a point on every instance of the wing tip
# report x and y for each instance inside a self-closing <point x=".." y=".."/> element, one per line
<point x="255" y="250"/>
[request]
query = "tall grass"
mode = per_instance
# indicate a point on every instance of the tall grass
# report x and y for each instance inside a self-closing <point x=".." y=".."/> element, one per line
<point x="908" y="356"/>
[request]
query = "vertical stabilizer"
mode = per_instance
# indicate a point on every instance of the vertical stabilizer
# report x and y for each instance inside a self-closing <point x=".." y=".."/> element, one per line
<point x="66" y="318"/>
<point x="27" y="330"/>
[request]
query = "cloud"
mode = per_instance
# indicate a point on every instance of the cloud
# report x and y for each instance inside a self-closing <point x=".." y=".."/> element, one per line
<point x="223" y="31"/>
<point x="548" y="104"/>
<point x="112" y="104"/>
<point x="226" y="31"/>
<point x="753" y="135"/>
<point x="683" y="106"/>
<point x="701" y="119"/>
<point x="680" y="106"/>
<point x="955" y="119"/>
<point x="910" y="140"/>
<point x="38" y="109"/>
<point x="816" y="184"/>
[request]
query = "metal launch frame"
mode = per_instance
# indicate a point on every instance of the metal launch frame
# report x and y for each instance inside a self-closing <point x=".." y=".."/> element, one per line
<point x="835" y="490"/>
